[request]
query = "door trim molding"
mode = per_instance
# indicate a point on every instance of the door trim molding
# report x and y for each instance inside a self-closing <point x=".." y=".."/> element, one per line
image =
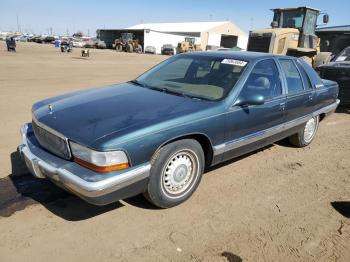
<point x="254" y="137"/>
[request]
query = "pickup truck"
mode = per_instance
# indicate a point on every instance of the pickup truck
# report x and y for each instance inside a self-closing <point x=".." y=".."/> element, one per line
<point x="158" y="133"/>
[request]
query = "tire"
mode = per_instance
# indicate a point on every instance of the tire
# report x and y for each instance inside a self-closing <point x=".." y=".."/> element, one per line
<point x="305" y="135"/>
<point x="175" y="174"/>
<point x="119" y="48"/>
<point x="139" y="49"/>
<point x="129" y="48"/>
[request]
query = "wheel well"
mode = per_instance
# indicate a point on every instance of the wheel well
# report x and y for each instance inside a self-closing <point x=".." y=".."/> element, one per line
<point x="322" y="116"/>
<point x="205" y="143"/>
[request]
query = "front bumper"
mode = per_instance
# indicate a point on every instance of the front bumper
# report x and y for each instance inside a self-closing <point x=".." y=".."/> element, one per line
<point x="95" y="188"/>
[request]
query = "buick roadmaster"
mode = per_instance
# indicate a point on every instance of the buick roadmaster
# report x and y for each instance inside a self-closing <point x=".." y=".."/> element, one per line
<point x="157" y="134"/>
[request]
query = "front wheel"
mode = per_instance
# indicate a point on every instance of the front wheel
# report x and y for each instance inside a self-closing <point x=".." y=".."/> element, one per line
<point x="176" y="172"/>
<point x="305" y="136"/>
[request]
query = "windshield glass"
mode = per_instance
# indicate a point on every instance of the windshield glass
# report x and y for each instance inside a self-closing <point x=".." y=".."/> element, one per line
<point x="205" y="77"/>
<point x="344" y="55"/>
<point x="292" y="19"/>
<point x="126" y="36"/>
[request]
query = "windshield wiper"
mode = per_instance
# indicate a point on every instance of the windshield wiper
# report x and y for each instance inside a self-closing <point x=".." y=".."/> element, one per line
<point x="169" y="91"/>
<point x="136" y="82"/>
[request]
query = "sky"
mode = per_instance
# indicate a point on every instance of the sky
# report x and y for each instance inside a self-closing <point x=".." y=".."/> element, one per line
<point x="69" y="16"/>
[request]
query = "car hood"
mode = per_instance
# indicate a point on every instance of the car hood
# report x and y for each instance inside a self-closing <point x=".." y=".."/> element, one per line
<point x="116" y="110"/>
<point x="335" y="65"/>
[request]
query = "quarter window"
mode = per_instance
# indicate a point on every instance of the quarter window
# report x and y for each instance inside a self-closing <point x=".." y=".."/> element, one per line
<point x="306" y="78"/>
<point x="263" y="80"/>
<point x="294" y="82"/>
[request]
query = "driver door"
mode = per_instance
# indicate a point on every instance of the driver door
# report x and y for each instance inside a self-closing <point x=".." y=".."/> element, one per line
<point x="252" y="126"/>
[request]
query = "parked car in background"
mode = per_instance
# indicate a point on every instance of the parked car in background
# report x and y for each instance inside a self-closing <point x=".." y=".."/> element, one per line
<point x="99" y="44"/>
<point x="157" y="134"/>
<point x="38" y="39"/>
<point x="150" y="50"/>
<point x="223" y="49"/>
<point x="339" y="70"/>
<point x="24" y="38"/>
<point x="78" y="42"/>
<point x="31" y="38"/>
<point x="48" y="39"/>
<point x="88" y="42"/>
<point x="168" y="49"/>
<point x="17" y="38"/>
<point x="211" y="48"/>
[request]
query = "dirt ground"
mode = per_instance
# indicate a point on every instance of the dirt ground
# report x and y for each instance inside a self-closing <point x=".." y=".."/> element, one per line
<point x="278" y="204"/>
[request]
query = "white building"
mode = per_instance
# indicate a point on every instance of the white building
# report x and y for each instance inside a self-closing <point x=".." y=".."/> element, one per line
<point x="219" y="34"/>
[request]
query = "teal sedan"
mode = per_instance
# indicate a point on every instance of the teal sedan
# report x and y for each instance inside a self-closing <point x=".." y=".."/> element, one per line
<point x="158" y="133"/>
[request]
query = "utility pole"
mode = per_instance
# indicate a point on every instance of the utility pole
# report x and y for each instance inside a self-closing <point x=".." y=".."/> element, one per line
<point x="251" y="23"/>
<point x="18" y="27"/>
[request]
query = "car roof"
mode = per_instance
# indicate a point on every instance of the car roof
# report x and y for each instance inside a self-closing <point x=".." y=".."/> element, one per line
<point x="239" y="55"/>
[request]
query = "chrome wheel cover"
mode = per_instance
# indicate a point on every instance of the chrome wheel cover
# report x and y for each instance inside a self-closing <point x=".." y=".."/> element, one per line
<point x="309" y="130"/>
<point x="179" y="173"/>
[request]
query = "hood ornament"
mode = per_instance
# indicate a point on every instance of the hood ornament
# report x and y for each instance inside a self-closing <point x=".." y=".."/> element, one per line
<point x="50" y="109"/>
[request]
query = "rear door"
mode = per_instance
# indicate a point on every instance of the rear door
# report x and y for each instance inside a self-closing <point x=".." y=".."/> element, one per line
<point x="300" y="95"/>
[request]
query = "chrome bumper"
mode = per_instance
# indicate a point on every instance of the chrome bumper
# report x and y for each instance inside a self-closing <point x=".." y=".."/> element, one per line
<point x="93" y="187"/>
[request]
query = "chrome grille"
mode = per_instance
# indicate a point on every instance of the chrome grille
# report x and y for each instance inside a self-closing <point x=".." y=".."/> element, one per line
<point x="51" y="142"/>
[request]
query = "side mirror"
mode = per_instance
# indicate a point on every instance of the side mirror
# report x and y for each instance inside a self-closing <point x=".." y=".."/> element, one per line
<point x="325" y="19"/>
<point x="274" y="24"/>
<point x="250" y="100"/>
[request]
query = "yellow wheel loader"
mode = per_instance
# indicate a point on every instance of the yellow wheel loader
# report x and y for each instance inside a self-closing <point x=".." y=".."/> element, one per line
<point x="292" y="33"/>
<point x="188" y="46"/>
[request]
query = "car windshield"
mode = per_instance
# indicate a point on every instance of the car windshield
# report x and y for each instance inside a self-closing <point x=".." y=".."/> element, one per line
<point x="344" y="55"/>
<point x="204" y="77"/>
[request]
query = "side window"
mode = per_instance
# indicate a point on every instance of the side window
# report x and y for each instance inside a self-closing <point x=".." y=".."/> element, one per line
<point x="306" y="79"/>
<point x="294" y="82"/>
<point x="314" y="77"/>
<point x="263" y="80"/>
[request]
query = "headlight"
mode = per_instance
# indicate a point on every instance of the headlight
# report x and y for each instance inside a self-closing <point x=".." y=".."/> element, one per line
<point x="99" y="161"/>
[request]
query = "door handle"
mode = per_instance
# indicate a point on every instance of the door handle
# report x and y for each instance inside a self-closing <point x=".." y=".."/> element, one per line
<point x="282" y="106"/>
<point x="311" y="97"/>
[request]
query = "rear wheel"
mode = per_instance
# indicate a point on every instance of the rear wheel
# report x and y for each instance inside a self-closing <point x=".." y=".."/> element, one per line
<point x="139" y="49"/>
<point x="305" y="136"/>
<point x="176" y="172"/>
<point x="119" y="48"/>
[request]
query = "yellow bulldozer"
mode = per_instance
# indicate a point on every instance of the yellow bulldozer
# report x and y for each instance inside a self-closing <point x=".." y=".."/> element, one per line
<point x="292" y="33"/>
<point x="127" y="43"/>
<point x="188" y="45"/>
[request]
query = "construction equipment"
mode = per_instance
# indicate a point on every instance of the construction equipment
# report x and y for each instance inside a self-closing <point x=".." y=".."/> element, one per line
<point x="188" y="45"/>
<point x="292" y="33"/>
<point x="66" y="46"/>
<point x="128" y="43"/>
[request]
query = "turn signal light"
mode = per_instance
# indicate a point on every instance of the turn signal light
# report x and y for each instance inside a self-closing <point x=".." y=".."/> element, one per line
<point x="101" y="169"/>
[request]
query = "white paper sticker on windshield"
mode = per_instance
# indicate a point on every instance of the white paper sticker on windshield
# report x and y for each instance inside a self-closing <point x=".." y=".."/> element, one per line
<point x="233" y="62"/>
<point x="341" y="58"/>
